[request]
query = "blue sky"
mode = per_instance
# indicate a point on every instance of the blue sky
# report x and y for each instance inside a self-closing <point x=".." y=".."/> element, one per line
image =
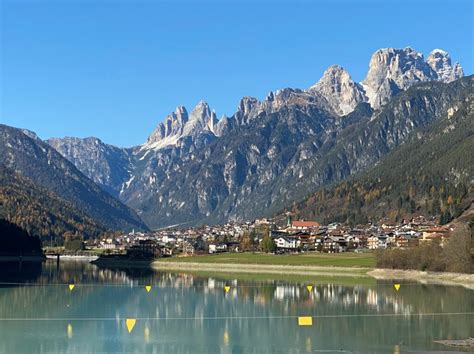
<point x="114" y="69"/>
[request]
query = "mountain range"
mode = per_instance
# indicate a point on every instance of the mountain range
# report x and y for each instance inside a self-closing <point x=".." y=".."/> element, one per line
<point x="24" y="157"/>
<point x="195" y="168"/>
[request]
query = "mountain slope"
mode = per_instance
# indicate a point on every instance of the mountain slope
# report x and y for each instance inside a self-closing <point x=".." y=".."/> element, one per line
<point x="45" y="167"/>
<point x="108" y="166"/>
<point x="40" y="212"/>
<point x="431" y="174"/>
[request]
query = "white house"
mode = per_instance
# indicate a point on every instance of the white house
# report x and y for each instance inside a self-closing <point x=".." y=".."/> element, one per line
<point x="169" y="239"/>
<point x="286" y="242"/>
<point x="376" y="242"/>
<point x="215" y="248"/>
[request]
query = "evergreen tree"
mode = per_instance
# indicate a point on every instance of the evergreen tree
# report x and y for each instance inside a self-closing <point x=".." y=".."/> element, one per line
<point x="268" y="245"/>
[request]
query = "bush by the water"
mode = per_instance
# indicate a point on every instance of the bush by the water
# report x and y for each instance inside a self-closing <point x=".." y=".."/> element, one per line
<point x="455" y="256"/>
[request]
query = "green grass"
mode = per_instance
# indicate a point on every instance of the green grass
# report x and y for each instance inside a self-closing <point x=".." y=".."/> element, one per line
<point x="365" y="260"/>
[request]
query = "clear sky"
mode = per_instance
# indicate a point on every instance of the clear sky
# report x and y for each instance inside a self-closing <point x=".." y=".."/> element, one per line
<point x="114" y="69"/>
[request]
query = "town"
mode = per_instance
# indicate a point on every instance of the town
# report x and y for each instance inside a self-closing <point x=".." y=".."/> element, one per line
<point x="265" y="235"/>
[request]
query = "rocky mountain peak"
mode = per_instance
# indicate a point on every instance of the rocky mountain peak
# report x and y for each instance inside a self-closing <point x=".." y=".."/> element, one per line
<point x="200" y="111"/>
<point x="222" y="126"/>
<point x="341" y="92"/>
<point x="392" y="70"/>
<point x="30" y="134"/>
<point x="171" y="127"/>
<point x="440" y="62"/>
<point x="199" y="120"/>
<point x="247" y="104"/>
<point x="247" y="109"/>
<point x="180" y="124"/>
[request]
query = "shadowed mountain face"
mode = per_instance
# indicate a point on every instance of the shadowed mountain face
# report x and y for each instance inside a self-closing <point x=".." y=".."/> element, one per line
<point x="194" y="168"/>
<point x="30" y="157"/>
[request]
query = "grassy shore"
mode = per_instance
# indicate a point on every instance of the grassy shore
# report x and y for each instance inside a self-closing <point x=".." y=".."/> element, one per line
<point x="362" y="260"/>
<point x="343" y="268"/>
<point x="305" y="265"/>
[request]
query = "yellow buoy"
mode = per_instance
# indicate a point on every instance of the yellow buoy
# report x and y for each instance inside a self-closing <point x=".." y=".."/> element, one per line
<point x="71" y="286"/>
<point x="227" y="288"/>
<point x="310" y="288"/>
<point x="305" y="321"/>
<point x="396" y="286"/>
<point x="148" y="288"/>
<point x="130" y="322"/>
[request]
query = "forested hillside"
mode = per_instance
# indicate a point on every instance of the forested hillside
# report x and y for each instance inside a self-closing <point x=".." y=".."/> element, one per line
<point x="431" y="174"/>
<point x="40" y="212"/>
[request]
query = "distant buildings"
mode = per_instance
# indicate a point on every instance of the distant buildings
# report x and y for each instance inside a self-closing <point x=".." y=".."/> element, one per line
<point x="295" y="236"/>
<point x="304" y="225"/>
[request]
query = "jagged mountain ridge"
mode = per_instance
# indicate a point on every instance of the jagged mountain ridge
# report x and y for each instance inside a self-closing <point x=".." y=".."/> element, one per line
<point x="283" y="156"/>
<point x="173" y="153"/>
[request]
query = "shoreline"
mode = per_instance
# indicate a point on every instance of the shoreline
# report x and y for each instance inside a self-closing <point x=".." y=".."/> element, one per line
<point x="72" y="257"/>
<point x="451" y="279"/>
<point x="423" y="277"/>
<point x="262" y="269"/>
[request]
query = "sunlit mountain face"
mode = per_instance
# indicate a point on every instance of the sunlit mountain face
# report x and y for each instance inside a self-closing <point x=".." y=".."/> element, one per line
<point x="195" y="168"/>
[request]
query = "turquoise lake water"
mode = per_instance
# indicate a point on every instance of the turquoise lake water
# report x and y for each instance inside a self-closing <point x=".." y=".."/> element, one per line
<point x="185" y="313"/>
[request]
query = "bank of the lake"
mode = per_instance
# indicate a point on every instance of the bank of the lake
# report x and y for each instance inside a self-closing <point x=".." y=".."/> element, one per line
<point x="262" y="269"/>
<point x="307" y="266"/>
<point x="442" y="278"/>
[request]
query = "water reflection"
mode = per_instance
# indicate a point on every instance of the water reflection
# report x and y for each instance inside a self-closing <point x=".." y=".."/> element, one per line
<point x="69" y="330"/>
<point x="246" y="313"/>
<point x="19" y="272"/>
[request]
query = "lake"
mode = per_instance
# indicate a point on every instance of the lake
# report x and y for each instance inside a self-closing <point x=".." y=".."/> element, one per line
<point x="192" y="313"/>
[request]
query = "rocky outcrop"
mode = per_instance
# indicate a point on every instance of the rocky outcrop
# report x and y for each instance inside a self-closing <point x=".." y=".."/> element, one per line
<point x="440" y="62"/>
<point x="394" y="70"/>
<point x="169" y="130"/>
<point x="341" y="92"/>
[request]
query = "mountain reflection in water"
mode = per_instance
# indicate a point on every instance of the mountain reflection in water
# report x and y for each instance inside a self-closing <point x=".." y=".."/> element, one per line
<point x="255" y="316"/>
